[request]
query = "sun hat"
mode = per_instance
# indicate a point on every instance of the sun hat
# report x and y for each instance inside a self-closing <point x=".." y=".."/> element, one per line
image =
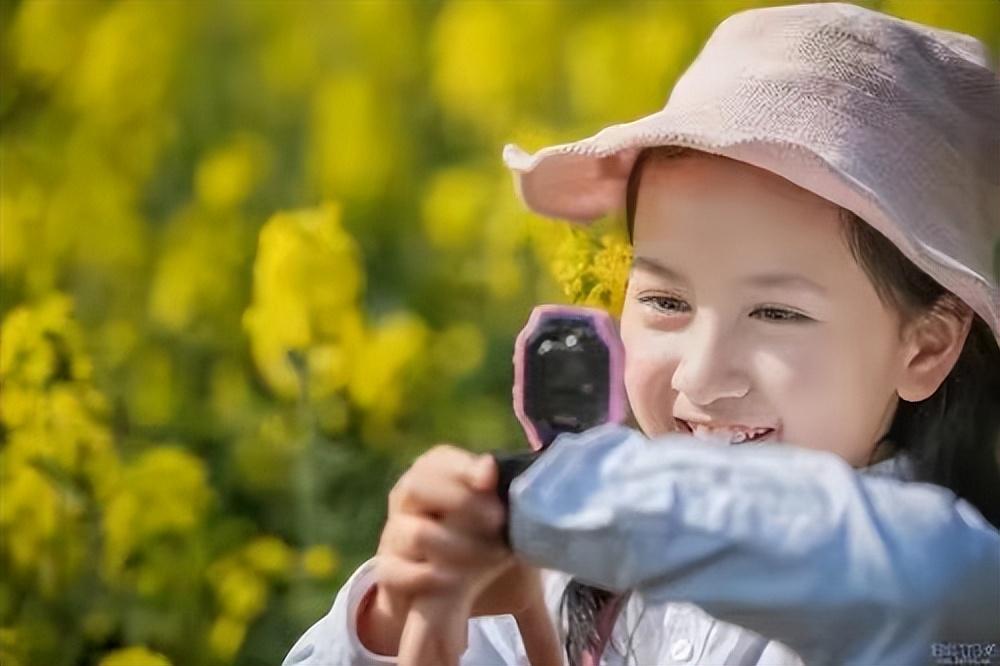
<point x="893" y="120"/>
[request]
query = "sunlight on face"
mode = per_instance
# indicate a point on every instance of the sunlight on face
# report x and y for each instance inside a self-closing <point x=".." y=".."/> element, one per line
<point x="746" y="308"/>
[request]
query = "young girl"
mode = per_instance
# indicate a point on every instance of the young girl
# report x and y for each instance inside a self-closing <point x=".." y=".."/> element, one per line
<point x="811" y="335"/>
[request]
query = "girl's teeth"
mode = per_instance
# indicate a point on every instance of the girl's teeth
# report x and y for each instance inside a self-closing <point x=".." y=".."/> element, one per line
<point x="731" y="436"/>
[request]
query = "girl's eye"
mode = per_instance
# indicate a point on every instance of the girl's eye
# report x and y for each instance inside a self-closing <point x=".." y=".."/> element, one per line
<point x="673" y="306"/>
<point x="665" y="304"/>
<point x="780" y="315"/>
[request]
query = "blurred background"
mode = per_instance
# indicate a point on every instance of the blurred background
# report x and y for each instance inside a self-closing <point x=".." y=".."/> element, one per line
<point x="256" y="256"/>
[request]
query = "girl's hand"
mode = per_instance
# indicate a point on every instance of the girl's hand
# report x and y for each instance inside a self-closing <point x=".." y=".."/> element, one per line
<point x="442" y="540"/>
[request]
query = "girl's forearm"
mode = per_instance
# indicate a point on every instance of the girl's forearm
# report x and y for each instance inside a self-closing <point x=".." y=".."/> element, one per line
<point x="378" y="629"/>
<point x="541" y="643"/>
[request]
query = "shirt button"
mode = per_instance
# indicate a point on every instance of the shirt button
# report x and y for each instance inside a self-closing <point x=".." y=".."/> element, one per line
<point x="681" y="649"/>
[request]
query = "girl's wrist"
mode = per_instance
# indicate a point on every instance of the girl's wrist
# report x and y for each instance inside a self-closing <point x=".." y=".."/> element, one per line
<point x="378" y="630"/>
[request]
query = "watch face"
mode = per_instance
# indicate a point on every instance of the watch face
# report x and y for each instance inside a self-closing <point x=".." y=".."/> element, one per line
<point x="566" y="376"/>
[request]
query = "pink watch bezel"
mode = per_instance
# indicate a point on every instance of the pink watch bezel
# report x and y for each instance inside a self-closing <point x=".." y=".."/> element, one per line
<point x="607" y="331"/>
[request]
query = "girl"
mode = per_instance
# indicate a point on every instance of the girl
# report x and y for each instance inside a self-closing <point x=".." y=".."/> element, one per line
<point x="810" y="327"/>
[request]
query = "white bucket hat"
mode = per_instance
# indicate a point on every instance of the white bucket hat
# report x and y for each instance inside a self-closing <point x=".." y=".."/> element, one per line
<point x="895" y="121"/>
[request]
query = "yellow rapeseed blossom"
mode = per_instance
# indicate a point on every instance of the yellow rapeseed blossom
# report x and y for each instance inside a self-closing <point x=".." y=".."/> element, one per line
<point x="378" y="374"/>
<point x="225" y="177"/>
<point x="114" y="80"/>
<point x="268" y="555"/>
<point x="31" y="512"/>
<point x="57" y="445"/>
<point x="60" y="26"/>
<point x="290" y="55"/>
<point x="609" y="268"/>
<point x="474" y="67"/>
<point x="134" y="656"/>
<point x="241" y="592"/>
<point x="306" y="282"/>
<point x="198" y="274"/>
<point x="459" y="349"/>
<point x="593" y="267"/>
<point x="21" y="207"/>
<point x="619" y="63"/>
<point x="354" y="144"/>
<point x="226" y="636"/>
<point x="454" y="206"/>
<point x="163" y="491"/>
<point x="320" y="561"/>
<point x="480" y="75"/>
<point x="40" y="342"/>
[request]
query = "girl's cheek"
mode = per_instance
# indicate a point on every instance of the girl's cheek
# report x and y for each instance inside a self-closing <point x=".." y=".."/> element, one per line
<point x="649" y="369"/>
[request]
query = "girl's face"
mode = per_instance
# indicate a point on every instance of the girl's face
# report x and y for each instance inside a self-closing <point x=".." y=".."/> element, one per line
<point x="745" y="311"/>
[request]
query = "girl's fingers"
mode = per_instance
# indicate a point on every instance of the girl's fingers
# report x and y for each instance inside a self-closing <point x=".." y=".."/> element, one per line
<point x="440" y="487"/>
<point x="404" y="578"/>
<point x="423" y="539"/>
<point x="482" y="474"/>
<point x="478" y="471"/>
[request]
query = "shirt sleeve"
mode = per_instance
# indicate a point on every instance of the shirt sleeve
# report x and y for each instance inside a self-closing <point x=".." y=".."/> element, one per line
<point x="791" y="543"/>
<point x="333" y="640"/>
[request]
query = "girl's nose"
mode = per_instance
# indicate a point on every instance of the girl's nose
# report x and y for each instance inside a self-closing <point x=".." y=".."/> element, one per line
<point x="708" y="369"/>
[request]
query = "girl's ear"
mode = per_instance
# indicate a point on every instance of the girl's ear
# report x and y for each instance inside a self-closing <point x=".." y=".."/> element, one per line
<point x="934" y="341"/>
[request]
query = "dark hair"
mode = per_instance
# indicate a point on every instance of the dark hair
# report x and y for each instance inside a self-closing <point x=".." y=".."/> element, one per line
<point x="953" y="437"/>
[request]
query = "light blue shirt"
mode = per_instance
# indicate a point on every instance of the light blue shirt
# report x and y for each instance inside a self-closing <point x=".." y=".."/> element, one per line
<point x="767" y="554"/>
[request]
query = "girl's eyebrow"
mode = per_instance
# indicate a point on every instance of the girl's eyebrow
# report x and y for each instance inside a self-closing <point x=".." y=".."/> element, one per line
<point x="761" y="280"/>
<point x="652" y="266"/>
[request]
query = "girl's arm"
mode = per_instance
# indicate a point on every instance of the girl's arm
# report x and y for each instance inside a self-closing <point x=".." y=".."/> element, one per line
<point x="333" y="640"/>
<point x="791" y="543"/>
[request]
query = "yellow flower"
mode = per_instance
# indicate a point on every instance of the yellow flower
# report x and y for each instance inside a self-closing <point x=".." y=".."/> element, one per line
<point x="134" y="656"/>
<point x="114" y="80"/>
<point x="268" y="555"/>
<point x="225" y="177"/>
<point x="454" y="206"/>
<point x="355" y="141"/>
<point x="31" y="511"/>
<point x="226" y="636"/>
<point x="41" y="343"/>
<point x="609" y="269"/>
<point x="241" y="592"/>
<point x="459" y="349"/>
<point x="165" y="490"/>
<point x="379" y="368"/>
<point x="478" y="73"/>
<point x="290" y="55"/>
<point x="199" y="271"/>
<point x="61" y="27"/>
<point x="620" y="63"/>
<point x="307" y="279"/>
<point x="592" y="266"/>
<point x="320" y="561"/>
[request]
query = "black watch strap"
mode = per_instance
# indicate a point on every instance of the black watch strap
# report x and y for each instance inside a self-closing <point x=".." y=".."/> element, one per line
<point x="510" y="465"/>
